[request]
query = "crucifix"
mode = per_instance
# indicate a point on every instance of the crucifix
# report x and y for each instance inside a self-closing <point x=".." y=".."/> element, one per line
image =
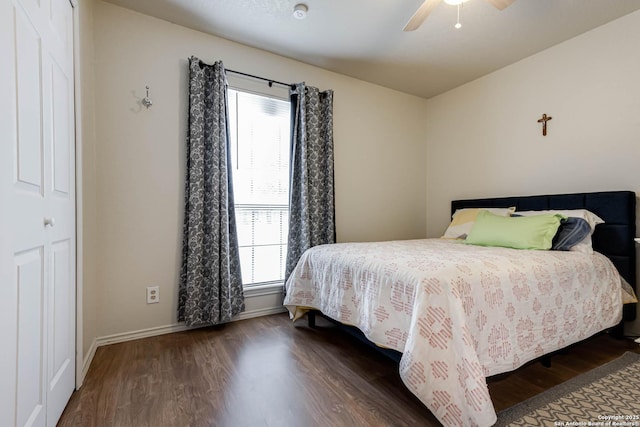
<point x="544" y="121"/>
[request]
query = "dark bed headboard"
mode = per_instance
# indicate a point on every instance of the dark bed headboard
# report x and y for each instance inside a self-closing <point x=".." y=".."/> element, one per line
<point x="613" y="239"/>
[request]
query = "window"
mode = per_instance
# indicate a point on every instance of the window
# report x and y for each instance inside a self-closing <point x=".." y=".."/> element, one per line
<point x="259" y="130"/>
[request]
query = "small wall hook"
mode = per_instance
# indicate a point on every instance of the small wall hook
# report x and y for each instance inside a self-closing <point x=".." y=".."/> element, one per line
<point x="146" y="101"/>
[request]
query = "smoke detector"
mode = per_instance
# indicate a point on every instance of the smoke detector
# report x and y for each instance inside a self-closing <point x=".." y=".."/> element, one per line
<point x="300" y="11"/>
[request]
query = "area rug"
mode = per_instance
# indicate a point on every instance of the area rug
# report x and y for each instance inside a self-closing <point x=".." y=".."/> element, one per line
<point x="606" y="396"/>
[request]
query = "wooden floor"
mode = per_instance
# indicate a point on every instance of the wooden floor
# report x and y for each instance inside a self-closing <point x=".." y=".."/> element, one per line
<point x="266" y="372"/>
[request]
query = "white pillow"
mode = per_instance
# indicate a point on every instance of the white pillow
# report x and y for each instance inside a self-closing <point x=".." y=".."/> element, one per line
<point x="585" y="246"/>
<point x="463" y="219"/>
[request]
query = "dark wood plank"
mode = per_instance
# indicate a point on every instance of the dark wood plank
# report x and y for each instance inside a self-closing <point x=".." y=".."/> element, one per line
<point x="526" y="382"/>
<point x="266" y="372"/>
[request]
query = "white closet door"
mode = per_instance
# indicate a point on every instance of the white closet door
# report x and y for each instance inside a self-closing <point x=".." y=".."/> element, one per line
<point x="60" y="195"/>
<point x="37" y="222"/>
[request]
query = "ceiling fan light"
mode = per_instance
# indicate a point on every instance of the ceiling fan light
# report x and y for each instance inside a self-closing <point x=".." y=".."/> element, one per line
<point x="455" y="2"/>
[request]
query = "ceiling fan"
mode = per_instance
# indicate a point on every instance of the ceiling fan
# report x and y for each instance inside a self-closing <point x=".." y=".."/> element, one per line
<point x="428" y="5"/>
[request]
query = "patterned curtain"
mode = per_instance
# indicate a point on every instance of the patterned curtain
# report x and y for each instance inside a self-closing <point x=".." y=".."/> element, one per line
<point x="210" y="289"/>
<point x="311" y="204"/>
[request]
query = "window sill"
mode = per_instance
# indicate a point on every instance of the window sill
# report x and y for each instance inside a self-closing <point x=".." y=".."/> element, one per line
<point x="265" y="289"/>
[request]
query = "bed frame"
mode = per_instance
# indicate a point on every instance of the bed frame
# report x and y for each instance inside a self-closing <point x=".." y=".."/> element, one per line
<point x="614" y="239"/>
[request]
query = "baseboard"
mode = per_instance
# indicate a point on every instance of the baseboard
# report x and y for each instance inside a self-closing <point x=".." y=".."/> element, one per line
<point x="176" y="327"/>
<point x="258" y="313"/>
<point x="86" y="362"/>
<point x="142" y="333"/>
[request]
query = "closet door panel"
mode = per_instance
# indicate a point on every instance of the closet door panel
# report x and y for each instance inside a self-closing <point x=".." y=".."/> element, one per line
<point x="61" y="333"/>
<point x="30" y="372"/>
<point x="61" y="133"/>
<point x="27" y="234"/>
<point x="8" y="178"/>
<point x="60" y="196"/>
<point x="29" y="147"/>
<point x="61" y="23"/>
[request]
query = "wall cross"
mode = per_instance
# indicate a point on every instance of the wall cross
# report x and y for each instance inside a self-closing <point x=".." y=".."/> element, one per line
<point x="544" y="121"/>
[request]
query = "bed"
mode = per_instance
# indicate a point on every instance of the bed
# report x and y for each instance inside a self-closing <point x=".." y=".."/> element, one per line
<point x="459" y="313"/>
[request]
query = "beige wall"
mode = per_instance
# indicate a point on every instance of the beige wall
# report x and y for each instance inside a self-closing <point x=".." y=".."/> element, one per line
<point x="484" y="141"/>
<point x="139" y="158"/>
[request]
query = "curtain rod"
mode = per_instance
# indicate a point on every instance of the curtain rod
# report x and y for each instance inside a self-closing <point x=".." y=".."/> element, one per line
<point x="270" y="81"/>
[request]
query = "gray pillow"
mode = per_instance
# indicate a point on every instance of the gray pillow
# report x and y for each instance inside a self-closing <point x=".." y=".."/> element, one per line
<point x="571" y="232"/>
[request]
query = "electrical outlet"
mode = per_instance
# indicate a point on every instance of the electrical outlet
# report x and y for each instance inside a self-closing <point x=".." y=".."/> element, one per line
<point x="153" y="294"/>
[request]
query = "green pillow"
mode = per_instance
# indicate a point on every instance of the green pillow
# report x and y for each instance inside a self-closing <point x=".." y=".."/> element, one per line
<point x="525" y="232"/>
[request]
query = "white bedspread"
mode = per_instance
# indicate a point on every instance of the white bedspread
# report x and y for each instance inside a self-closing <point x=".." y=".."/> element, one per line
<point x="458" y="313"/>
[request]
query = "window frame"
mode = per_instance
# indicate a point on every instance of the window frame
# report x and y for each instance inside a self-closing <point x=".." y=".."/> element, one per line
<point x="251" y="86"/>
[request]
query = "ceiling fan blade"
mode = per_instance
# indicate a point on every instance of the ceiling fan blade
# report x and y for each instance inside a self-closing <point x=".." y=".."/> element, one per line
<point x="501" y="4"/>
<point x="421" y="14"/>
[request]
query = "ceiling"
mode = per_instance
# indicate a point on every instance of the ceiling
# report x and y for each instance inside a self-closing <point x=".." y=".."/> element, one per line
<point x="364" y="38"/>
